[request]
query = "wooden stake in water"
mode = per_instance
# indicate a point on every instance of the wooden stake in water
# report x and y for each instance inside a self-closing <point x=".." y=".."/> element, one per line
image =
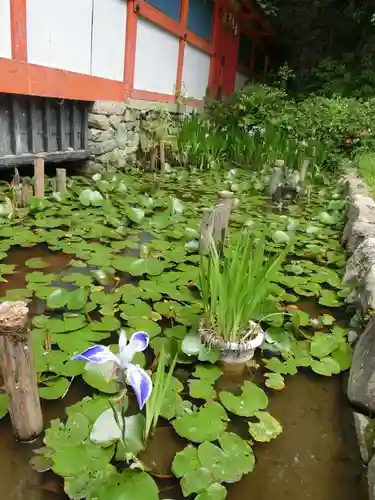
<point x="18" y="371"/>
<point x="153" y="156"/>
<point x="162" y="157"/>
<point x="39" y="175"/>
<point x="223" y="213"/>
<point x="206" y="230"/>
<point x="61" y="180"/>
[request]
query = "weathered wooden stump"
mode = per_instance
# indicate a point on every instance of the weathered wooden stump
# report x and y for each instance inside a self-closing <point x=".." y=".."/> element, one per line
<point x="61" y="180"/>
<point x="162" y="157"/>
<point x="18" y="371"/>
<point x="215" y="222"/>
<point x="206" y="230"/>
<point x="39" y="175"/>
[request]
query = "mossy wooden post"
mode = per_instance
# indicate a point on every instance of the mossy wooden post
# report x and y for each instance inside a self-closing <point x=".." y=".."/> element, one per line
<point x="206" y="230"/>
<point x="277" y="177"/>
<point x="222" y="215"/>
<point x="61" y="180"/>
<point x="162" y="157"/>
<point x="39" y="176"/>
<point x="18" y="371"/>
<point x="153" y="156"/>
<point x="26" y="193"/>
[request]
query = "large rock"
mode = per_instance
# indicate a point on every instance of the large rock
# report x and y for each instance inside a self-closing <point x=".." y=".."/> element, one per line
<point x="360" y="423"/>
<point x="100" y="148"/>
<point x="100" y="135"/>
<point x="115" y="120"/>
<point x="360" y="271"/>
<point x="109" y="108"/>
<point x="99" y="122"/>
<point x="371" y="479"/>
<point x="121" y="135"/>
<point x="112" y="158"/>
<point x="92" y="167"/>
<point x="361" y="385"/>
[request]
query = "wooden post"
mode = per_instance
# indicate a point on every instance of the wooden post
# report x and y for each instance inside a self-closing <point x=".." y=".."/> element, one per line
<point x="206" y="230"/>
<point x="61" y="180"/>
<point x="39" y="175"/>
<point x="18" y="371"/>
<point x="153" y="155"/>
<point x="26" y="193"/>
<point x="226" y="201"/>
<point x="277" y="177"/>
<point x="162" y="157"/>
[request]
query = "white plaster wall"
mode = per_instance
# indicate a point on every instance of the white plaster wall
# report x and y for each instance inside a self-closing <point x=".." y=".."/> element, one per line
<point x="5" y="33"/>
<point x="156" y="59"/>
<point x="241" y="81"/>
<point x="59" y="34"/>
<point x="108" y="39"/>
<point x="195" y="72"/>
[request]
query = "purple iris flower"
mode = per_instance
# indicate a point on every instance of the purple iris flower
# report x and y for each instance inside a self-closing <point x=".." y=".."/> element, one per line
<point x="135" y="376"/>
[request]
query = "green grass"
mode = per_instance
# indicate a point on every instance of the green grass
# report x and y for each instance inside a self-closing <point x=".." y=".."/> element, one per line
<point x="366" y="167"/>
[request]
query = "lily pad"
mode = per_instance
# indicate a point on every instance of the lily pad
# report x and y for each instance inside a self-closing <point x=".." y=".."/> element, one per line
<point x="36" y="263"/>
<point x="266" y="429"/>
<point x="252" y="399"/>
<point x="54" y="389"/>
<point x="205" y="424"/>
<point x="326" y="366"/>
<point x="275" y="381"/>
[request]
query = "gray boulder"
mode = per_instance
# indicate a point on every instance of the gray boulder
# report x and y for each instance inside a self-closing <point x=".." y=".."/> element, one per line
<point x="99" y="122"/>
<point x="361" y="385"/>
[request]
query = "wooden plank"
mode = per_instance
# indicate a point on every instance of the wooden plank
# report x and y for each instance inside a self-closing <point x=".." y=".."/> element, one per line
<point x="9" y="161"/>
<point x="47" y="125"/>
<point x="63" y="141"/>
<point x="54" y="139"/>
<point x="5" y="119"/>
<point x="85" y="126"/>
<point x="75" y="127"/>
<point x="36" y="120"/>
<point x="66" y="112"/>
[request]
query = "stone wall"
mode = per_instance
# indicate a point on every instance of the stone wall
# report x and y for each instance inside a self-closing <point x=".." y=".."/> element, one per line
<point x="359" y="237"/>
<point x="113" y="136"/>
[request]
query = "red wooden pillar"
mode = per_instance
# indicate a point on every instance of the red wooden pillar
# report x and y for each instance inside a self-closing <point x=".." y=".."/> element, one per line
<point x="130" y="47"/>
<point x="18" y="29"/>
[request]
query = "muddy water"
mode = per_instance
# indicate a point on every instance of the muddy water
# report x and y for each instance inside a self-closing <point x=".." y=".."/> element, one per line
<point x="315" y="458"/>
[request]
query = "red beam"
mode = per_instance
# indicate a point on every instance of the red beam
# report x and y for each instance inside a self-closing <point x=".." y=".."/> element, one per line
<point x="130" y="48"/>
<point x="181" y="48"/>
<point x="146" y="95"/>
<point x="18" y="29"/>
<point x="18" y="77"/>
<point x="154" y="15"/>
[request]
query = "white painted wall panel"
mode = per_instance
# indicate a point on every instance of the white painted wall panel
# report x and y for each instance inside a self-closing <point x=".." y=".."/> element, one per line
<point x="59" y="34"/>
<point x="156" y="59"/>
<point x="108" y="39"/>
<point x="241" y="81"/>
<point x="70" y="34"/>
<point x="5" y="34"/>
<point x="195" y="72"/>
<point x="38" y="32"/>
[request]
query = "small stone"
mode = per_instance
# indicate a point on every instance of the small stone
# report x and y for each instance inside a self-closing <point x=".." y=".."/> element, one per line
<point x="100" y="135"/>
<point x="102" y="147"/>
<point x="360" y="423"/>
<point x="99" y="122"/>
<point x="115" y="120"/>
<point x="91" y="168"/>
<point x="109" y="108"/>
<point x="361" y="385"/>
<point x="121" y="135"/>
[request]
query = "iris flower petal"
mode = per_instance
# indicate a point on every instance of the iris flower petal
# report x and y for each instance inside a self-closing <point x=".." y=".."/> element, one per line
<point x="122" y="341"/>
<point x="138" y="342"/>
<point x="141" y="383"/>
<point x="96" y="354"/>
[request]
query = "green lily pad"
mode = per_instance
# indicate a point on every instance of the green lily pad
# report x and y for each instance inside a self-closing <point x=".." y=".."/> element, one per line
<point x="326" y="366"/>
<point x="343" y="356"/>
<point x="266" y="429"/>
<point x="185" y="461"/>
<point x="90" y="197"/>
<point x="145" y="325"/>
<point x="252" y="399"/>
<point x="275" y="381"/>
<point x="153" y="267"/>
<point x="54" y="389"/>
<point x="214" y="492"/>
<point x="4" y="401"/>
<point x="206" y="424"/>
<point x="284" y="368"/>
<point x="323" y="344"/>
<point x="329" y="298"/>
<point x="208" y="373"/>
<point x="196" y="481"/>
<point x="201" y="389"/>
<point x="36" y="263"/>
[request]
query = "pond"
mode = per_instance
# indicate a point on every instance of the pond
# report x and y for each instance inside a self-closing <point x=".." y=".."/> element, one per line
<point x="121" y="251"/>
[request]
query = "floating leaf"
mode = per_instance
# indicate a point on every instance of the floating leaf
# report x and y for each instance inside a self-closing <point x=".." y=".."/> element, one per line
<point x="54" y="389"/>
<point x="329" y="298"/>
<point x="214" y="492"/>
<point x="135" y="214"/>
<point x="325" y="366"/>
<point x="153" y="267"/>
<point x="36" y="263"/>
<point x="275" y="381"/>
<point x="252" y="399"/>
<point x="266" y="429"/>
<point x="206" y="424"/>
<point x="323" y="344"/>
<point x="202" y="389"/>
<point x="90" y="197"/>
<point x="343" y="356"/>
<point x="185" y="461"/>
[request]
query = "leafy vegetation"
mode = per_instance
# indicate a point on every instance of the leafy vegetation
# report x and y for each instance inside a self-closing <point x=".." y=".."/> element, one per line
<point x="235" y="286"/>
<point x="130" y="260"/>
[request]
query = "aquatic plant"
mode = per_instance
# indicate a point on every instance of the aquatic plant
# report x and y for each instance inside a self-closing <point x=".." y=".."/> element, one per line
<point x="234" y="286"/>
